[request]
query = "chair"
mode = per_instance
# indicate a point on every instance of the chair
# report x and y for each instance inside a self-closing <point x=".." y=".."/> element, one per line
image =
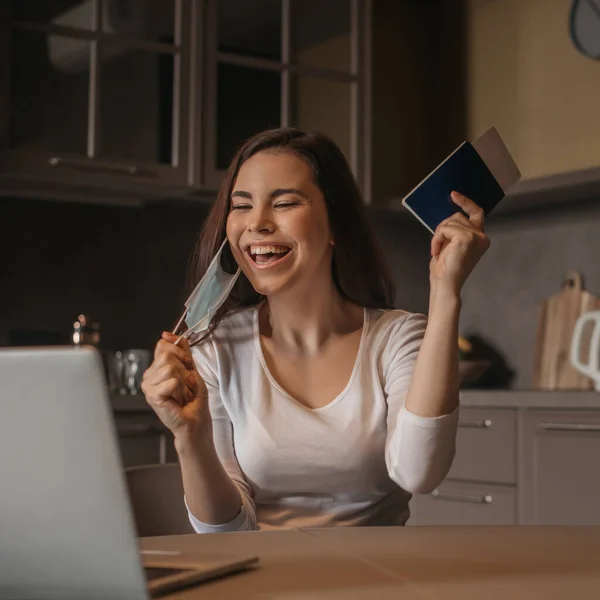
<point x="156" y="493"/>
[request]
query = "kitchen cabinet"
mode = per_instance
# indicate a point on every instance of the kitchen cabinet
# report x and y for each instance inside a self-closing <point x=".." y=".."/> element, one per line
<point x="150" y="99"/>
<point x="143" y="440"/>
<point x="466" y="503"/>
<point x="560" y="479"/>
<point x="486" y="448"/>
<point x="480" y="488"/>
<point x="523" y="463"/>
<point x="274" y="63"/>
<point x="98" y="93"/>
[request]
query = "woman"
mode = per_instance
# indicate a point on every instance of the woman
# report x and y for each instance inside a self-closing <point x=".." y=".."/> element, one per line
<point x="311" y="402"/>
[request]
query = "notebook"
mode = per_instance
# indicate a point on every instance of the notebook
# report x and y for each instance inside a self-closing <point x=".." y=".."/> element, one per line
<point x="482" y="170"/>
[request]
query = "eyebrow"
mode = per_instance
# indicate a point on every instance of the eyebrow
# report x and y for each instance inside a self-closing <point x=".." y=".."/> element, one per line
<point x="272" y="194"/>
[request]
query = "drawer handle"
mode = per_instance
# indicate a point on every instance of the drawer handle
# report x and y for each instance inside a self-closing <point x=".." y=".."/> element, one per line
<point x="135" y="430"/>
<point x="570" y="427"/>
<point x="470" y="498"/>
<point x="482" y="424"/>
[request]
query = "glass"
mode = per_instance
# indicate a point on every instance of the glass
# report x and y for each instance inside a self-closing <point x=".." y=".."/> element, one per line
<point x="323" y="105"/>
<point x="136" y="104"/>
<point x="49" y="93"/>
<point x="320" y="34"/>
<point x="71" y="13"/>
<point x="250" y="28"/>
<point x="115" y="367"/>
<point x="150" y="20"/>
<point x="135" y="363"/>
<point x="248" y="101"/>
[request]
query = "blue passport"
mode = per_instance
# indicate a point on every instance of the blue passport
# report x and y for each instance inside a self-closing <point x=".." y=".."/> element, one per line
<point x="483" y="170"/>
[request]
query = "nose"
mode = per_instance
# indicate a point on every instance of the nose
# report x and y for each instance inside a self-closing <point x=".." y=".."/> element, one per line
<point x="261" y="220"/>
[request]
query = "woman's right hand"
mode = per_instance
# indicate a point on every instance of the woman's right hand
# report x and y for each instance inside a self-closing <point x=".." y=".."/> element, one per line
<point x="174" y="389"/>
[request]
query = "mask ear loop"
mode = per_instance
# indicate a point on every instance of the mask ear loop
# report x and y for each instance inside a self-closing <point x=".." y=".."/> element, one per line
<point x="180" y="322"/>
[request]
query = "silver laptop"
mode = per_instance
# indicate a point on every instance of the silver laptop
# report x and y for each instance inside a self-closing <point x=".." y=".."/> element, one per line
<point x="66" y="526"/>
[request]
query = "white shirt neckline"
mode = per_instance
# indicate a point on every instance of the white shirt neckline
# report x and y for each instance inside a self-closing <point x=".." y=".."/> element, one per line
<point x="273" y="381"/>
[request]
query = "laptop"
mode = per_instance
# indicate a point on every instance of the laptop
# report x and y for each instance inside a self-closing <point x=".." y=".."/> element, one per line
<point x="66" y="526"/>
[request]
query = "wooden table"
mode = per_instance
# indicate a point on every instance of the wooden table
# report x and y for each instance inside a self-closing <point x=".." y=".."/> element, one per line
<point x="404" y="563"/>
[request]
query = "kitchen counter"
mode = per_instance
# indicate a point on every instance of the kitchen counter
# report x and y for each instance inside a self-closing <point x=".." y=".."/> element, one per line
<point x="531" y="399"/>
<point x="525" y="399"/>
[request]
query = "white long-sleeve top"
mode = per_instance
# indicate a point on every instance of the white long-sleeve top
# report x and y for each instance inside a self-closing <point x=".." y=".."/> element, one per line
<point x="355" y="461"/>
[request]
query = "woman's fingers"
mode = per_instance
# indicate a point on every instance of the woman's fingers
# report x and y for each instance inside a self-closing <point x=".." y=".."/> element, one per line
<point x="457" y="232"/>
<point x="443" y="234"/>
<point x="166" y="345"/>
<point x="158" y="374"/>
<point x="475" y="212"/>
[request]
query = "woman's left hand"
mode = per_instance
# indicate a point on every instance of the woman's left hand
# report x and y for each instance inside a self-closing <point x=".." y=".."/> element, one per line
<point x="457" y="245"/>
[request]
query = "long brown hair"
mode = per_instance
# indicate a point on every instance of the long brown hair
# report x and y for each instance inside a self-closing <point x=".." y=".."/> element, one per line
<point x="358" y="269"/>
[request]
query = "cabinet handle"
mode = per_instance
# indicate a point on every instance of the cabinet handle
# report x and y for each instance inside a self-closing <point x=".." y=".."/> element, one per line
<point x="89" y="165"/>
<point x="137" y="430"/>
<point x="470" y="498"/>
<point x="483" y="424"/>
<point x="570" y="427"/>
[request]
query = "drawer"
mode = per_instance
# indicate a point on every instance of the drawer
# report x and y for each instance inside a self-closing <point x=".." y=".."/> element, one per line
<point x="460" y="503"/>
<point x="486" y="446"/>
<point x="143" y="440"/>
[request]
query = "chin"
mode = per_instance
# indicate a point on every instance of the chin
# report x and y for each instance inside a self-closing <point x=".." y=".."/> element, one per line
<point x="263" y="286"/>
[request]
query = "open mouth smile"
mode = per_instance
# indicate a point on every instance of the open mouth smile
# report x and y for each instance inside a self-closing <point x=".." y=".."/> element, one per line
<point x="265" y="256"/>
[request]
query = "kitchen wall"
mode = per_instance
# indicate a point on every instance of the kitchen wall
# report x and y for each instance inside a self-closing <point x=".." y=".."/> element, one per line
<point x="123" y="265"/>
<point x="526" y="77"/>
<point x="127" y="266"/>
<point x="527" y="262"/>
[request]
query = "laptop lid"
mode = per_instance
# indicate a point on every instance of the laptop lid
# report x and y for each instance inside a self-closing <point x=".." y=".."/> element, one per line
<point x="66" y="529"/>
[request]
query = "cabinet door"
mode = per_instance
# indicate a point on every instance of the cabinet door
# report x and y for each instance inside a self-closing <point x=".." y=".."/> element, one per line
<point x="143" y="440"/>
<point x="99" y="92"/>
<point x="460" y="503"/>
<point x="560" y="478"/>
<point x="272" y="63"/>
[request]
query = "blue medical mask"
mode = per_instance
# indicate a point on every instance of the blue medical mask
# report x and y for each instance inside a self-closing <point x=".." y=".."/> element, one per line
<point x="208" y="296"/>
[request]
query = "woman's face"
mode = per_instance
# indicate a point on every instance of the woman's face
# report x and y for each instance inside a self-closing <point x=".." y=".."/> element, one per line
<point x="277" y="225"/>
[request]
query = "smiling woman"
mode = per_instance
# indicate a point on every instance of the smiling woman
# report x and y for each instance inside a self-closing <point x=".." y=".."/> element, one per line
<point x="310" y="401"/>
<point x="307" y="174"/>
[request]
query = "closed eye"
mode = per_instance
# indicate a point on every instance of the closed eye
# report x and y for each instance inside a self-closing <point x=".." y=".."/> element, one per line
<point x="287" y="204"/>
<point x="241" y="207"/>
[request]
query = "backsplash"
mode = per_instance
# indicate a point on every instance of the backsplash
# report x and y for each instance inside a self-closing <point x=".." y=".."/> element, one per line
<point x="527" y="262"/>
<point x="126" y="266"/>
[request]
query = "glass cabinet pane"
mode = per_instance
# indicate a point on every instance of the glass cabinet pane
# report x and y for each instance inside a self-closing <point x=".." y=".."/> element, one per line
<point x="320" y="34"/>
<point x="49" y="93"/>
<point x="248" y="101"/>
<point x="150" y="20"/>
<point x="68" y="13"/>
<point x="250" y="28"/>
<point x="323" y="105"/>
<point x="136" y="104"/>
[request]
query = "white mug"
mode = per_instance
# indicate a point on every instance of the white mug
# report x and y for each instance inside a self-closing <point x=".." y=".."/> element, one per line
<point x="590" y="369"/>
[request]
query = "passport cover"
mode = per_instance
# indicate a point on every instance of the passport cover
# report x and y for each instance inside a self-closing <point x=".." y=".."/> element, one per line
<point x="482" y="170"/>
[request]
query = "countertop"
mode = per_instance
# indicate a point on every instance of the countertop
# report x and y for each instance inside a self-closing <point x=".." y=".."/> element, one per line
<point x="531" y="399"/>
<point x="412" y="563"/>
<point x="522" y="399"/>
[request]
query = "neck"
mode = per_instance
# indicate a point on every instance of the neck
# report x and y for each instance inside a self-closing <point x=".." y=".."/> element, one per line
<point x="304" y="322"/>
